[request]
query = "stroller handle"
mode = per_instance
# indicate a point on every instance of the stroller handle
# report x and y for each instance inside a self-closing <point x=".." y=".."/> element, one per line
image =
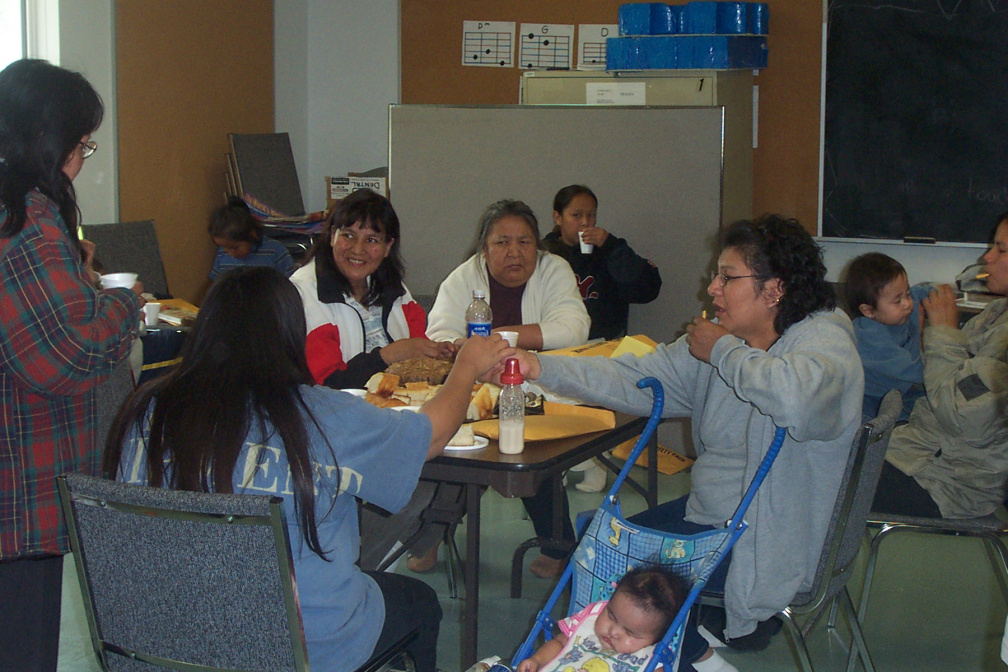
<point x="657" y="405"/>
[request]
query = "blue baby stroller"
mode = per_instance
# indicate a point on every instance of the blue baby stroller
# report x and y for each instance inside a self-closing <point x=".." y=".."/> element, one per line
<point x="611" y="545"/>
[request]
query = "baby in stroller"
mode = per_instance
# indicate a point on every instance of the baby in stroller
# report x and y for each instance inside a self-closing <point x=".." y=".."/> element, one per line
<point x="619" y="632"/>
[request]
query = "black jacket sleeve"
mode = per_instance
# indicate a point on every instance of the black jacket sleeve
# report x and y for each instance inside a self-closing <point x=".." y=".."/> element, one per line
<point x="638" y="279"/>
<point x="359" y="369"/>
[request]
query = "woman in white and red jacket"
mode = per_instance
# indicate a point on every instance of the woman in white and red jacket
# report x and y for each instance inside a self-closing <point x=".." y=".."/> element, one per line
<point x="361" y="317"/>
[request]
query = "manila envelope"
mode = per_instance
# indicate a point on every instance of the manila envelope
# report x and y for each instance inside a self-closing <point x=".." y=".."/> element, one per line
<point x="557" y="421"/>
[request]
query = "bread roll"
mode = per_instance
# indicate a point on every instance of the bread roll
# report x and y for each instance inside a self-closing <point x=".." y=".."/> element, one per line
<point x="483" y="402"/>
<point x="463" y="437"/>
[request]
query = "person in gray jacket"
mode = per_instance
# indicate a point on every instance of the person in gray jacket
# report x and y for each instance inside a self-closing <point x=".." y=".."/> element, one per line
<point x="951" y="459"/>
<point x="777" y="354"/>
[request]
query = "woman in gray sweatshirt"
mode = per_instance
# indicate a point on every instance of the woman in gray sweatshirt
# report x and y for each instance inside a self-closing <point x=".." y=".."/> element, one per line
<point x="777" y="353"/>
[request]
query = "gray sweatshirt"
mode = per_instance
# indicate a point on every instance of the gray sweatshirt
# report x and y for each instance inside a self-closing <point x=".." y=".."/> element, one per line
<point x="810" y="382"/>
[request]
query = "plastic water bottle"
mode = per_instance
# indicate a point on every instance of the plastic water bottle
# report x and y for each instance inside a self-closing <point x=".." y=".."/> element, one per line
<point x="511" y="407"/>
<point x="478" y="315"/>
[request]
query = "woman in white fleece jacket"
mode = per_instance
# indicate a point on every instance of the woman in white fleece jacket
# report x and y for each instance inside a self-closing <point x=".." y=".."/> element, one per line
<point x="532" y="292"/>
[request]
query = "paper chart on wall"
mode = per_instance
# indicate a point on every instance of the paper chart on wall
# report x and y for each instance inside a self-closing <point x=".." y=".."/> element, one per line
<point x="488" y="44"/>
<point x="592" y="44"/>
<point x="546" y="46"/>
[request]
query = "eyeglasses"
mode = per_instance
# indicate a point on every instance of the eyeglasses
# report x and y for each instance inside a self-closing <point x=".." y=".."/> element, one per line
<point x="89" y="148"/>
<point x="723" y="279"/>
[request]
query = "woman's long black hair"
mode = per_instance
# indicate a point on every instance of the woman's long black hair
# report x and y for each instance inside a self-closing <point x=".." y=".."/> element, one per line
<point x="778" y="247"/>
<point x="44" y="112"/>
<point x="242" y="363"/>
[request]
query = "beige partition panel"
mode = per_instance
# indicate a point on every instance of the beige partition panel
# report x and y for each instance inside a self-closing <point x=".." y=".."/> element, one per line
<point x="656" y="171"/>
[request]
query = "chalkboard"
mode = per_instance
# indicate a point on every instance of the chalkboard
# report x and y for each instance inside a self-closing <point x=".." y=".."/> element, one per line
<point x="916" y="128"/>
<point x="657" y="172"/>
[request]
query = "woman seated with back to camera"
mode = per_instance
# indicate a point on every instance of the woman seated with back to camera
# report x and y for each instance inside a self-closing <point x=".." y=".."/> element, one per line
<point x="532" y="292"/>
<point x="361" y="319"/>
<point x="241" y="414"/>
<point x="777" y="354"/>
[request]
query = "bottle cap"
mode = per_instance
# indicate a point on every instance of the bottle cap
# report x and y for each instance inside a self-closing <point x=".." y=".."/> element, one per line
<point x="479" y="294"/>
<point x="512" y="373"/>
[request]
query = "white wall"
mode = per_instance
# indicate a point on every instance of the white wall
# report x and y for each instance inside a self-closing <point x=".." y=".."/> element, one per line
<point x="290" y="81"/>
<point x="337" y="71"/>
<point x="87" y="45"/>
<point x="924" y="263"/>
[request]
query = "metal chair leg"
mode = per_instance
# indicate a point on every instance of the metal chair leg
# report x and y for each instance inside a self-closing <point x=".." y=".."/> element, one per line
<point x="797" y="641"/>
<point x="862" y="609"/>
<point x="831" y="623"/>
<point x="453" y="564"/>
<point x="998" y="556"/>
<point x="858" y="645"/>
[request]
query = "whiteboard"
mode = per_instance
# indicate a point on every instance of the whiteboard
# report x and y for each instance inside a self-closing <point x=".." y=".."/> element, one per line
<point x="657" y="172"/>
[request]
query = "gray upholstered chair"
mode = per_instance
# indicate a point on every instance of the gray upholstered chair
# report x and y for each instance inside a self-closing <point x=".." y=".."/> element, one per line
<point x="843" y="541"/>
<point x="130" y="247"/>
<point x="184" y="580"/>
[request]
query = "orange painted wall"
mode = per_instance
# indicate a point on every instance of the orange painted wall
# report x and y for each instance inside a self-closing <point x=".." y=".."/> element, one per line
<point x="188" y="72"/>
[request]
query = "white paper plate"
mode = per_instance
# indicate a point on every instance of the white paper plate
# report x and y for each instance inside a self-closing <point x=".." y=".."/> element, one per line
<point x="480" y="443"/>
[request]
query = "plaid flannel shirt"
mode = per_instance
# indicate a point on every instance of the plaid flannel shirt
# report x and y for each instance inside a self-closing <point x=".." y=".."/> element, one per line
<point x="59" y="338"/>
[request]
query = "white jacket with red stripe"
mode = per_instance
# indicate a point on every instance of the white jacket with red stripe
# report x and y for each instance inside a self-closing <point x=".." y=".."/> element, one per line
<point x="335" y="344"/>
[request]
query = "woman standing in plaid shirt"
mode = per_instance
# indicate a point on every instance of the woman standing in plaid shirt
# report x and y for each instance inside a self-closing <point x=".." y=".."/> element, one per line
<point x="59" y="338"/>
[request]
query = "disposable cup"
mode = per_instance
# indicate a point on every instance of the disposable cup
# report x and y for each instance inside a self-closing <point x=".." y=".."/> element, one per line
<point x="511" y="337"/>
<point x="112" y="280"/>
<point x="586" y="248"/>
<point x="151" y="312"/>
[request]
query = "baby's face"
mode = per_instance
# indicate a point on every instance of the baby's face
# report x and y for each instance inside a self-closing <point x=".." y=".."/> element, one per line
<point x="894" y="303"/>
<point x="624" y="627"/>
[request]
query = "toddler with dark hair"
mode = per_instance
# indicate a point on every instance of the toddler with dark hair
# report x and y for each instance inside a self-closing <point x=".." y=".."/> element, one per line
<point x="241" y="241"/>
<point x="888" y="330"/>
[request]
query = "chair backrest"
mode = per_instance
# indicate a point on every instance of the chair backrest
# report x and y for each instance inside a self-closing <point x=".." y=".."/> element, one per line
<point x="266" y="170"/>
<point x="853" y="505"/>
<point x="110" y="395"/>
<point x="130" y="247"/>
<point x="174" y="576"/>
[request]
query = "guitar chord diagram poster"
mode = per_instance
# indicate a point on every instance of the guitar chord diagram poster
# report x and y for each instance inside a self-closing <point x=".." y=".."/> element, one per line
<point x="592" y="44"/>
<point x="546" y="46"/>
<point x="488" y="43"/>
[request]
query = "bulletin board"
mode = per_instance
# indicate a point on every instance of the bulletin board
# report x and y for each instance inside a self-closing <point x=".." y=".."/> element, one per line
<point x="657" y="173"/>
<point x="915" y="138"/>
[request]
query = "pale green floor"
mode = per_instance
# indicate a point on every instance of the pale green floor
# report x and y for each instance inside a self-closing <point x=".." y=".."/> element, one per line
<point x="935" y="602"/>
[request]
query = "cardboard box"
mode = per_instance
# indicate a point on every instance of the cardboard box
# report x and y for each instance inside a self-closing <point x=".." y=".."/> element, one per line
<point x="340" y="187"/>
